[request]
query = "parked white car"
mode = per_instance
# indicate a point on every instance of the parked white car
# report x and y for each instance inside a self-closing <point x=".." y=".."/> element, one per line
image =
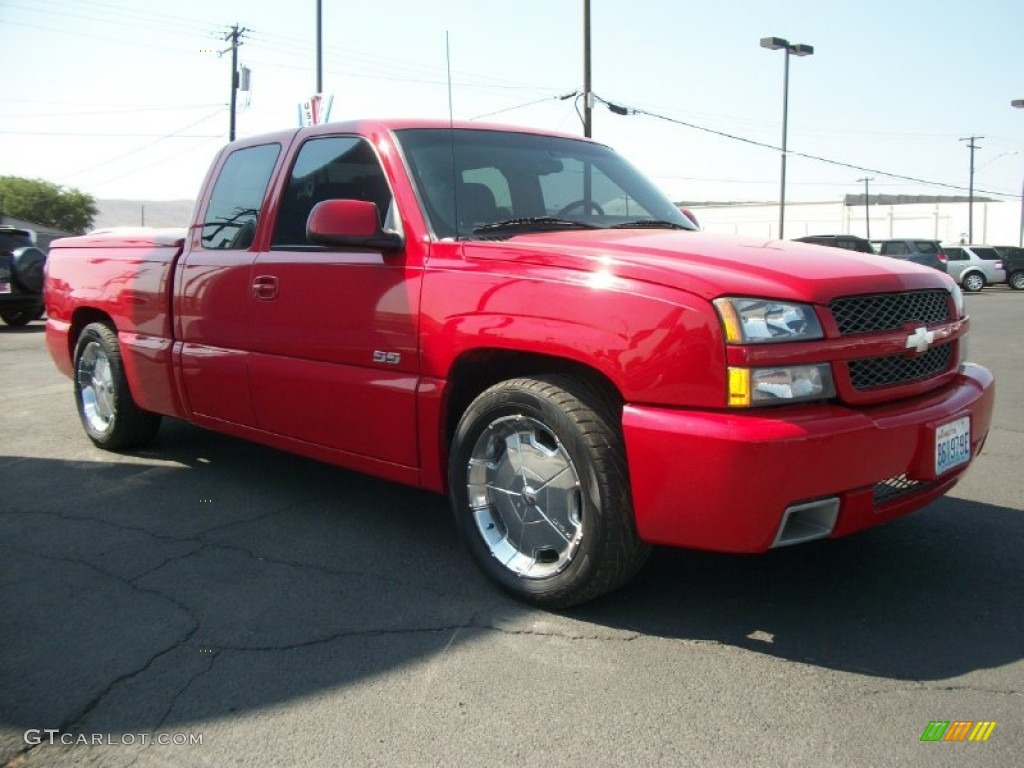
<point x="974" y="266"/>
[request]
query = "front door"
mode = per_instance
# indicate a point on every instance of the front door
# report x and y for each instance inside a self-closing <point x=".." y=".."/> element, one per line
<point x="335" y="347"/>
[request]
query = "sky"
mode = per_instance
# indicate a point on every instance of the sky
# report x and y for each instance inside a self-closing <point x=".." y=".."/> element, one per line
<point x="128" y="99"/>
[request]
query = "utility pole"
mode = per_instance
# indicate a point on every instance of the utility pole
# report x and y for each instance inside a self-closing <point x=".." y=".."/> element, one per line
<point x="867" y="212"/>
<point x="588" y="97"/>
<point x="1019" y="104"/>
<point x="235" y="36"/>
<point x="970" y="193"/>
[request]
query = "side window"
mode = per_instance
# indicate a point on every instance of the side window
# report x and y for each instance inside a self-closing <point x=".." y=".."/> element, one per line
<point x="896" y="248"/>
<point x="237" y="199"/>
<point x="955" y="254"/>
<point x="330" y="168"/>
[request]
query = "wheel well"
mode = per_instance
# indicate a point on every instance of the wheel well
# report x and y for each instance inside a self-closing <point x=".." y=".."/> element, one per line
<point x="478" y="370"/>
<point x="81" y="318"/>
<point x="968" y="272"/>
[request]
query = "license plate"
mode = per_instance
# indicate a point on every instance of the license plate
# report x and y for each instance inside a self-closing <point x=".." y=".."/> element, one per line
<point x="952" y="445"/>
<point x="5" y="287"/>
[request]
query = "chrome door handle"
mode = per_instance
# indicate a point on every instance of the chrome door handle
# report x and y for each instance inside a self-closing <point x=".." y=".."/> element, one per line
<point x="265" y="287"/>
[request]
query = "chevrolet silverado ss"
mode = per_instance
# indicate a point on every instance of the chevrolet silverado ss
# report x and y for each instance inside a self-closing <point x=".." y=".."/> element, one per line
<point x="522" y="321"/>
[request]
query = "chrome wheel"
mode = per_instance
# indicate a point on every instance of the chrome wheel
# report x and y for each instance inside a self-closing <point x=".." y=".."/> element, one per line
<point x="96" y="384"/>
<point x="1017" y="281"/>
<point x="524" y="494"/>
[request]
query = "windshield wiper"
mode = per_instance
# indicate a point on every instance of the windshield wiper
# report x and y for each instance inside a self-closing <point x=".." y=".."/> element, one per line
<point x="532" y="224"/>
<point x="649" y="224"/>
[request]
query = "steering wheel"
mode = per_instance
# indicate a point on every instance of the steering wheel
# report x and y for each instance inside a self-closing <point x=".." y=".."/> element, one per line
<point x="585" y="205"/>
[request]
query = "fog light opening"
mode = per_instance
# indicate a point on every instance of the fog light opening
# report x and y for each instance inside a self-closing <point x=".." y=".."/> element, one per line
<point x="806" y="522"/>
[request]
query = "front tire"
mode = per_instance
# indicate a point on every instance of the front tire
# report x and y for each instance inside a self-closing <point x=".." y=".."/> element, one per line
<point x="540" y="491"/>
<point x="110" y="416"/>
<point x="1017" y="280"/>
<point x="973" y="282"/>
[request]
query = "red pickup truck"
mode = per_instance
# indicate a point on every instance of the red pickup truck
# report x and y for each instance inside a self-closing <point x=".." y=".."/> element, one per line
<point x="523" y="321"/>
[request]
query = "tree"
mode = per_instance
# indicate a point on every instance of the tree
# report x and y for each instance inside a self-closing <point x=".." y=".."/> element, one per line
<point x="44" y="202"/>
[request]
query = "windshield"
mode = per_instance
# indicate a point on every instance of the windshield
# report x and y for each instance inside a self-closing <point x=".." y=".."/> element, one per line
<point x="527" y="183"/>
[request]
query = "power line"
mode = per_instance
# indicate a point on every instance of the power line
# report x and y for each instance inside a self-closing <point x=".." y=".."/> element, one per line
<point x="81" y="135"/>
<point x="94" y="113"/>
<point x="522" y="106"/>
<point x="172" y="134"/>
<point x="623" y="110"/>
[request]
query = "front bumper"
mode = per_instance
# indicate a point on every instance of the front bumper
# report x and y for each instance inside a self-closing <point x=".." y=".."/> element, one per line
<point x="723" y="480"/>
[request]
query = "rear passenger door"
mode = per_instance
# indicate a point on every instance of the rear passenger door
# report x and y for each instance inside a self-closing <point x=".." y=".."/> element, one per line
<point x="957" y="261"/>
<point x="211" y="296"/>
<point x="335" y="352"/>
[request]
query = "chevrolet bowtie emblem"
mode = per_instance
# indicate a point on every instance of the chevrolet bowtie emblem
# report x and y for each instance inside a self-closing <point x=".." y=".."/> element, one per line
<point x="920" y="340"/>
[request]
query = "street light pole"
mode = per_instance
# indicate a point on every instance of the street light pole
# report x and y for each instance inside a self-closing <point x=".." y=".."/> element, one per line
<point x="319" y="47"/>
<point x="1019" y="104"/>
<point x="867" y="212"/>
<point x="588" y="98"/>
<point x="796" y="49"/>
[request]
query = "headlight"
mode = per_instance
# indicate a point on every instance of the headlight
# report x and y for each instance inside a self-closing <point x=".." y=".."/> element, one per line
<point x="958" y="299"/>
<point x="757" y="321"/>
<point x="780" y="386"/>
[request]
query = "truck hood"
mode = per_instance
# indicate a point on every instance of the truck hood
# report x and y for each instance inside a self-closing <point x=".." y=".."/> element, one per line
<point x="712" y="265"/>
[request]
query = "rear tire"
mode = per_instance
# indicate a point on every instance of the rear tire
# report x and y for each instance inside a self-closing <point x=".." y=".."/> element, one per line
<point x="1016" y="280"/>
<point x="19" y="317"/>
<point x="540" y="491"/>
<point x="108" y="412"/>
<point x="973" y="282"/>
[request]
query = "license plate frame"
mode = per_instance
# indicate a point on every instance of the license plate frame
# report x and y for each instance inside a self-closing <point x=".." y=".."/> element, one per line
<point x="952" y="445"/>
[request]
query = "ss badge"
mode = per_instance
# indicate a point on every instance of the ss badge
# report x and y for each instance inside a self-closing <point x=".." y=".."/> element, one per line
<point x="390" y="358"/>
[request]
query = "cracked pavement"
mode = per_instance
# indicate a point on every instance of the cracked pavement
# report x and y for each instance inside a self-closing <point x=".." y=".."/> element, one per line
<point x="292" y="613"/>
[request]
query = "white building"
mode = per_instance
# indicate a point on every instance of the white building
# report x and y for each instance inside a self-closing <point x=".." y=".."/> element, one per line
<point x="995" y="222"/>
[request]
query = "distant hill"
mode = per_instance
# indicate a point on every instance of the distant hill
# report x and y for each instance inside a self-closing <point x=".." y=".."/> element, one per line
<point x="134" y="213"/>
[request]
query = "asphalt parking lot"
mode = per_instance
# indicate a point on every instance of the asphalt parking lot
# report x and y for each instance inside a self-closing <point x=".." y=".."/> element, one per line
<point x="284" y="612"/>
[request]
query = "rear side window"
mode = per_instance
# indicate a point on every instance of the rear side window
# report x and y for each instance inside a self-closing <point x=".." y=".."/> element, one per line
<point x="13" y="239"/>
<point x="926" y="246"/>
<point x="237" y="199"/>
<point x="989" y="254"/>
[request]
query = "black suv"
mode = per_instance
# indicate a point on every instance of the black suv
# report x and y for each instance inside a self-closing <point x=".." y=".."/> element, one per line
<point x="1013" y="263"/>
<point x="849" y="242"/>
<point x="21" y="277"/>
<point x="927" y="252"/>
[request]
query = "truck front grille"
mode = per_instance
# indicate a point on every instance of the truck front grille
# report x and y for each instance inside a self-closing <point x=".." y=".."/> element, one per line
<point x="889" y="311"/>
<point x="891" y="370"/>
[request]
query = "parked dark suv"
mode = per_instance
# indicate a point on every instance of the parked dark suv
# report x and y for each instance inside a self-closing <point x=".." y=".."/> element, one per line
<point x="849" y="242"/>
<point x="1013" y="263"/>
<point x="21" y="277"/>
<point x="927" y="252"/>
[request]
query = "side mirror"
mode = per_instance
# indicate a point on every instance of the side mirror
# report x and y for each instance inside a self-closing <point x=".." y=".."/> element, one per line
<point x="351" y="223"/>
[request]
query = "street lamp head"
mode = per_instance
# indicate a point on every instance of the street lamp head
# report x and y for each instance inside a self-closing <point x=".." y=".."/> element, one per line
<point x="1018" y="103"/>
<point x="799" y="49"/>
<point x="774" y="43"/>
